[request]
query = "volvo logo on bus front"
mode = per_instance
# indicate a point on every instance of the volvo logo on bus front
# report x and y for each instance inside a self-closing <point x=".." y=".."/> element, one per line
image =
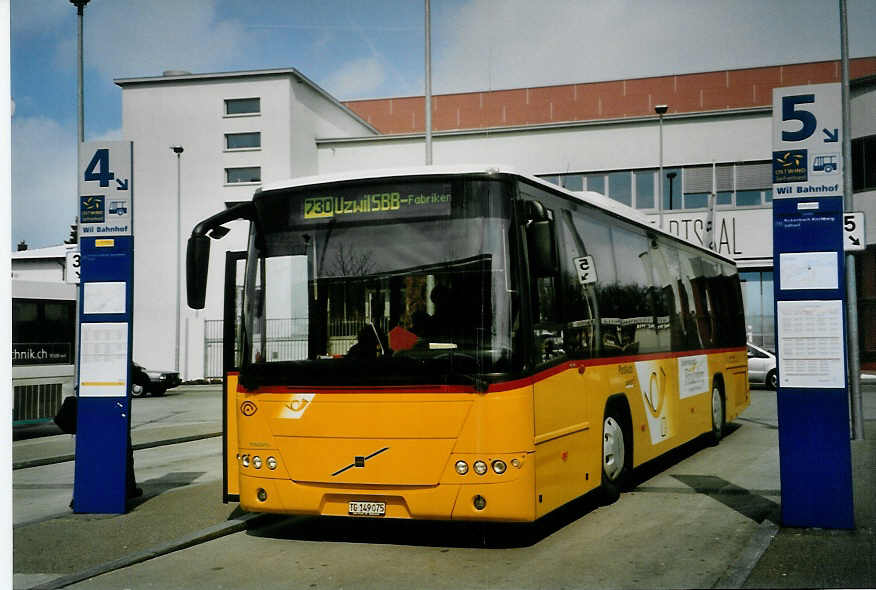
<point x="359" y="461"/>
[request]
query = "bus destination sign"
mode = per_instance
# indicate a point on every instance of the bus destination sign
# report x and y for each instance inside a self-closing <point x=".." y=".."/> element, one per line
<point x="413" y="201"/>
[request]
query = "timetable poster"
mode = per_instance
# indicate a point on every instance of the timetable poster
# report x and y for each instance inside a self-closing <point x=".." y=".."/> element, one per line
<point x="811" y="344"/>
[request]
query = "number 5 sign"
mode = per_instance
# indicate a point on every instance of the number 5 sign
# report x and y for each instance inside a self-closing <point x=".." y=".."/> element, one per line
<point x="586" y="270"/>
<point x="807" y="141"/>
<point x="853" y="231"/>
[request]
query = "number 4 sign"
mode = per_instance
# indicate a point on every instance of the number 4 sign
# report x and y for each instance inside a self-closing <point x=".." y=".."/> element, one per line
<point x="105" y="190"/>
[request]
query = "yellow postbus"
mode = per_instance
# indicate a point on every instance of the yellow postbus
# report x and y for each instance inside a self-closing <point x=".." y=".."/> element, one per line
<point x="461" y="343"/>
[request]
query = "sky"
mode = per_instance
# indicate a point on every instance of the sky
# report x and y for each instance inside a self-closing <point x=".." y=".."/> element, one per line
<point x="369" y="49"/>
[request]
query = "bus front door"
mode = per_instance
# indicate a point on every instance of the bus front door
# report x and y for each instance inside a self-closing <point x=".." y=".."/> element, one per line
<point x="235" y="263"/>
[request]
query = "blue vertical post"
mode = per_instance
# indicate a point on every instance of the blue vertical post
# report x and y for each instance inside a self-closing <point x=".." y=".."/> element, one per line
<point x="104" y="420"/>
<point x="814" y="450"/>
<point x="106" y="297"/>
<point x="809" y="270"/>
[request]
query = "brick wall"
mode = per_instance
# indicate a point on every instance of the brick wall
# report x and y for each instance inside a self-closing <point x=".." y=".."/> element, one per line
<point x="709" y="91"/>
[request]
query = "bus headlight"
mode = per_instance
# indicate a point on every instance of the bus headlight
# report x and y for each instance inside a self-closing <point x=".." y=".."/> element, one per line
<point x="480" y="467"/>
<point x="245" y="460"/>
<point x="257" y="462"/>
<point x="499" y="466"/>
<point x="272" y="463"/>
<point x="461" y="467"/>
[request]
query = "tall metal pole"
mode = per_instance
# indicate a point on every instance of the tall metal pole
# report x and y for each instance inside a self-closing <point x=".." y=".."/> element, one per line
<point x="80" y="10"/>
<point x="178" y="150"/>
<point x="660" y="109"/>
<point x="428" y="86"/>
<point x="80" y="115"/>
<point x="854" y="357"/>
<point x="660" y="174"/>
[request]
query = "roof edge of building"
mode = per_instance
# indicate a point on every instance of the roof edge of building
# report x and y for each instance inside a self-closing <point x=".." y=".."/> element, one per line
<point x="607" y="81"/>
<point x="295" y="73"/>
<point x="549" y="126"/>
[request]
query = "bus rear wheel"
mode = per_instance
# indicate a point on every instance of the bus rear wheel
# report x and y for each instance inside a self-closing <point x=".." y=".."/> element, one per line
<point x="615" y="455"/>
<point x="718" y="412"/>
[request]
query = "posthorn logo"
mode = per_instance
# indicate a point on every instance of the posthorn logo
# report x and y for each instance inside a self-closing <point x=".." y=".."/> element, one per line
<point x="248" y="408"/>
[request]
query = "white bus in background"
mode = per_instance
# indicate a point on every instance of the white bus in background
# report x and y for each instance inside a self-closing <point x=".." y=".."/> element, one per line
<point x="43" y="348"/>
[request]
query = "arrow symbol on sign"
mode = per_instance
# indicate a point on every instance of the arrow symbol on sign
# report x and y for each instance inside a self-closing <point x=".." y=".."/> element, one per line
<point x="832" y="136"/>
<point x="855" y="241"/>
<point x="123" y="184"/>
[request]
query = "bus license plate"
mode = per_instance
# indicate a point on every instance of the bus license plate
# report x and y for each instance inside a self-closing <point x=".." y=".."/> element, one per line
<point x="368" y="508"/>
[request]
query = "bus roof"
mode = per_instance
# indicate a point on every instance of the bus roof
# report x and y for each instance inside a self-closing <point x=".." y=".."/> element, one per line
<point x="593" y="198"/>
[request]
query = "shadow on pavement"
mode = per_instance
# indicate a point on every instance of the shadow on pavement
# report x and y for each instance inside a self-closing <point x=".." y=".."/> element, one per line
<point x="746" y="502"/>
<point x="425" y="533"/>
<point x="29" y="431"/>
<point x="157" y="486"/>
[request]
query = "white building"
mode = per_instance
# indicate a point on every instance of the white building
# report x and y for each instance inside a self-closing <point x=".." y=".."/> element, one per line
<point x="241" y="129"/>
<point x="236" y="130"/>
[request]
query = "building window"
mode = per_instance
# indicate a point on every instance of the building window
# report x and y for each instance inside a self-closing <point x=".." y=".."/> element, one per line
<point x="596" y="183"/>
<point x="645" y="189"/>
<point x="239" y="175"/>
<point x="620" y="187"/>
<point x="573" y="182"/>
<point x="242" y="106"/>
<point x="684" y="188"/>
<point x="672" y="189"/>
<point x="239" y="141"/>
<point x="696" y="200"/>
<point x="748" y="198"/>
<point x="864" y="163"/>
<point x="757" y="296"/>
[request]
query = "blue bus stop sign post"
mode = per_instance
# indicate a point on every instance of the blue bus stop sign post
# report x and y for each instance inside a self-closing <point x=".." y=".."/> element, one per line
<point x="106" y="245"/>
<point x="808" y="261"/>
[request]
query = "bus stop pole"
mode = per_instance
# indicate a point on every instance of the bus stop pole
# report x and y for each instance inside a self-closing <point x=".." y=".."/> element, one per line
<point x="428" y="93"/>
<point x="854" y="358"/>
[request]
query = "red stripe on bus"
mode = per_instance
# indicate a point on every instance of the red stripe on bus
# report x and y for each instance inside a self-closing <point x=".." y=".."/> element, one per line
<point x="613" y="360"/>
<point x="495" y="387"/>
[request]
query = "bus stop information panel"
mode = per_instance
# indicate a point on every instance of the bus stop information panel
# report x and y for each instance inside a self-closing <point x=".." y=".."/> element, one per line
<point x="808" y="261"/>
<point x="106" y="245"/>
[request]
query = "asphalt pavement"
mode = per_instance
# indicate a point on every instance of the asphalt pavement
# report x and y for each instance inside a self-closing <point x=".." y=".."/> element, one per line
<point x="178" y="465"/>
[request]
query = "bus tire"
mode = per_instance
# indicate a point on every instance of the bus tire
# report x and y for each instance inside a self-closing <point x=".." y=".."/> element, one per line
<point x="616" y="453"/>
<point x="718" y="411"/>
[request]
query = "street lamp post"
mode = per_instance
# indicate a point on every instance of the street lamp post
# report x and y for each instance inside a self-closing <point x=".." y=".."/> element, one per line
<point x="178" y="150"/>
<point x="80" y="115"/>
<point x="428" y="98"/>
<point x="660" y="109"/>
<point x="80" y="11"/>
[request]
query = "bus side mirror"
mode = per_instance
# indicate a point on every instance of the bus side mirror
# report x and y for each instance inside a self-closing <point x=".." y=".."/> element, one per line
<point x="197" y="263"/>
<point x="540" y="242"/>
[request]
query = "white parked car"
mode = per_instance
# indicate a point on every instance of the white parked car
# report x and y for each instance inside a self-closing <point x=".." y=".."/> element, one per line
<point x="762" y="367"/>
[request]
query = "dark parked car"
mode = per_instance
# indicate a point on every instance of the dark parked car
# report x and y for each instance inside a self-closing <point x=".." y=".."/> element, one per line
<point x="146" y="381"/>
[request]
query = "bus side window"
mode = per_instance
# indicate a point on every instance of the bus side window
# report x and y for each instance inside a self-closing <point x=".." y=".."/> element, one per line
<point x="593" y="228"/>
<point x="669" y="299"/>
<point x="577" y="292"/>
<point x="546" y="328"/>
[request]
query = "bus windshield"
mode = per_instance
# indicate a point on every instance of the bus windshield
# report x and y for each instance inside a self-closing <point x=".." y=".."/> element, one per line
<point x="379" y="283"/>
